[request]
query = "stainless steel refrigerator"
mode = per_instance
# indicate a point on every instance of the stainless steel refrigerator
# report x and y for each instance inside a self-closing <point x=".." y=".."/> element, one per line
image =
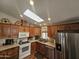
<point x="67" y="43"/>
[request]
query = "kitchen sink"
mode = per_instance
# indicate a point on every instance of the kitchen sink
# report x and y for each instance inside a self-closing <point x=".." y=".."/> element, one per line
<point x="43" y="40"/>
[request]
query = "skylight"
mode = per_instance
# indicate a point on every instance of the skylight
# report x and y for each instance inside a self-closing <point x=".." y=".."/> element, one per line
<point x="33" y="16"/>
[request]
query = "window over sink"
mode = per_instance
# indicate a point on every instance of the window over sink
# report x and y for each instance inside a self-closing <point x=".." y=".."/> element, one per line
<point x="44" y="35"/>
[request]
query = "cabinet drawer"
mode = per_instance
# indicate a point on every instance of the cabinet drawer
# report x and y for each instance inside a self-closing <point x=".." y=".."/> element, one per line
<point x="13" y="51"/>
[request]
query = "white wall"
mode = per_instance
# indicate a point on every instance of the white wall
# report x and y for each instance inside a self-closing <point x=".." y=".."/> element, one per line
<point x="4" y="15"/>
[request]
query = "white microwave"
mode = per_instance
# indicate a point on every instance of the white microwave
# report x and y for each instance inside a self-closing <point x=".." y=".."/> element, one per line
<point x="23" y="34"/>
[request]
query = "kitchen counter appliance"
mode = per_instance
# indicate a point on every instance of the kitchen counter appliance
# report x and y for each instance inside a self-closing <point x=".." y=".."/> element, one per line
<point x="67" y="43"/>
<point x="9" y="42"/>
<point x="25" y="45"/>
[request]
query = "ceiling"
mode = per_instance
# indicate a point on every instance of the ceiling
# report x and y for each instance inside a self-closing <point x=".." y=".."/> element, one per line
<point x="58" y="10"/>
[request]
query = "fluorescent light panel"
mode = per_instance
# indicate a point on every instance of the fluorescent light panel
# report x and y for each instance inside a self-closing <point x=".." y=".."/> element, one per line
<point x="21" y="15"/>
<point x="33" y="16"/>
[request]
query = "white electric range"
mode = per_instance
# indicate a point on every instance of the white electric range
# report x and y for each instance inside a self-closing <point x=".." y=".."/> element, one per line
<point x="24" y="46"/>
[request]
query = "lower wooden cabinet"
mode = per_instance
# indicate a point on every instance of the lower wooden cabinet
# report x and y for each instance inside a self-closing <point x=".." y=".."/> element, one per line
<point x="50" y="52"/>
<point x="46" y="51"/>
<point x="33" y="48"/>
<point x="41" y="48"/>
<point x="58" y="55"/>
<point x="12" y="53"/>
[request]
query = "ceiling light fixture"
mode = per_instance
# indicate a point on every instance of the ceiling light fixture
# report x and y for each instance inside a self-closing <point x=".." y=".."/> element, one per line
<point x="33" y="16"/>
<point x="35" y="23"/>
<point x="49" y="18"/>
<point x="31" y="2"/>
<point x="21" y="15"/>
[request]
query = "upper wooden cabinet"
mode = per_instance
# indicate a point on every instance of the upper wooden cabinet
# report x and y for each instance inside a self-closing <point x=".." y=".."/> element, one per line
<point x="6" y="30"/>
<point x="34" y="31"/>
<point x="21" y="29"/>
<point x="75" y="26"/>
<point x="37" y="31"/>
<point x="26" y="29"/>
<point x="52" y="31"/>
<point x="31" y="31"/>
<point x="61" y="27"/>
<point x="14" y="31"/>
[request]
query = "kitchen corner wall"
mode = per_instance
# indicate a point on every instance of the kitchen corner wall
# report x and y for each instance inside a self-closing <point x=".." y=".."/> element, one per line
<point x="4" y="15"/>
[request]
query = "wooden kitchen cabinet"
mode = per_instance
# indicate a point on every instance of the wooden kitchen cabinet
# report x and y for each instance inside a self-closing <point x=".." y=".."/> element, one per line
<point x="37" y="31"/>
<point x="21" y="28"/>
<point x="46" y="51"/>
<point x="31" y="31"/>
<point x="61" y="27"/>
<point x="0" y="31"/>
<point x="52" y="31"/>
<point x="9" y="31"/>
<point x="41" y="48"/>
<point x="50" y="52"/>
<point x="14" y="31"/>
<point x="34" y="31"/>
<point x="26" y="29"/>
<point x="12" y="53"/>
<point x="33" y="48"/>
<point x="58" y="55"/>
<point x="6" y="30"/>
<point x="75" y="26"/>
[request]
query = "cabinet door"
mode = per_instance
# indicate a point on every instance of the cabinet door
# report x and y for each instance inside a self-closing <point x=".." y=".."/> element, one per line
<point x="31" y="31"/>
<point x="14" y="31"/>
<point x="1" y="31"/>
<point x="41" y="48"/>
<point x="33" y="48"/>
<point x="2" y="55"/>
<point x="54" y="31"/>
<point x="61" y="27"/>
<point x="21" y="28"/>
<point x="26" y="29"/>
<point x="75" y="26"/>
<point x="12" y="53"/>
<point x="37" y="31"/>
<point x="6" y="29"/>
<point x="50" y="31"/>
<point x="50" y="52"/>
<point x="58" y="55"/>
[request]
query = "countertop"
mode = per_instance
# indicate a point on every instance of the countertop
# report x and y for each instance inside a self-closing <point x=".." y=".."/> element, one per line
<point x="46" y="43"/>
<point x="5" y="47"/>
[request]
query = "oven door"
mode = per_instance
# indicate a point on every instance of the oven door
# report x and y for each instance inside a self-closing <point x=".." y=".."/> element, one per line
<point x="25" y="50"/>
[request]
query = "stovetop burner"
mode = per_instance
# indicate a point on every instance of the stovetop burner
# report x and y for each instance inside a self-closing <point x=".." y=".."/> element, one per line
<point x="23" y="42"/>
